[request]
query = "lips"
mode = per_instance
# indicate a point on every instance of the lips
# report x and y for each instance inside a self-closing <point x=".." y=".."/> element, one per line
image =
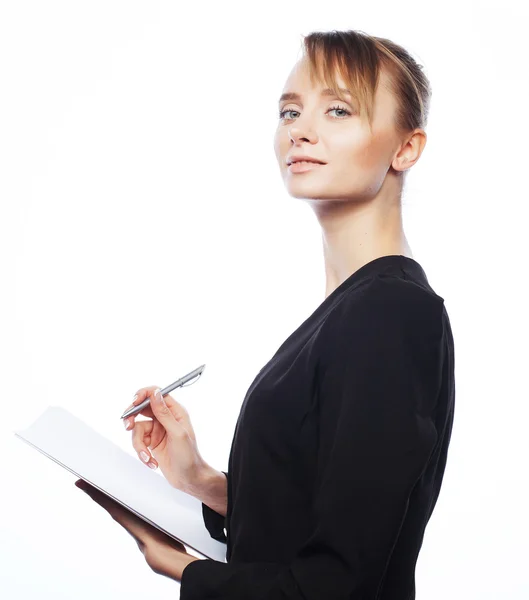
<point x="303" y="167"/>
<point x="296" y="159"/>
<point x="316" y="162"/>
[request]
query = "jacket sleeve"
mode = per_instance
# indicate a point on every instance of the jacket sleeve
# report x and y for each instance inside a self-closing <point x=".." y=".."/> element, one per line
<point x="378" y="385"/>
<point x="215" y="522"/>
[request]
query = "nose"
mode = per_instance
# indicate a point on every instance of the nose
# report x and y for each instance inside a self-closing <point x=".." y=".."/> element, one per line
<point x="297" y="135"/>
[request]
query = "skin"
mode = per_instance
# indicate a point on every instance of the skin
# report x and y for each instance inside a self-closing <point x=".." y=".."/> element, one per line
<point x="356" y="195"/>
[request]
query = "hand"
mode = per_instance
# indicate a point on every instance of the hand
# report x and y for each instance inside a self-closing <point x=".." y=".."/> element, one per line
<point x="163" y="554"/>
<point x="169" y="437"/>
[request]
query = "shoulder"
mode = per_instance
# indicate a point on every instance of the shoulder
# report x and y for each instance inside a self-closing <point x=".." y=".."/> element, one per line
<point x="385" y="306"/>
<point x="388" y="295"/>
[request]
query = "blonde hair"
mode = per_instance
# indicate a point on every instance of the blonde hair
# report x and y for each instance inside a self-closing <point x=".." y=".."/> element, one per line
<point x="358" y="58"/>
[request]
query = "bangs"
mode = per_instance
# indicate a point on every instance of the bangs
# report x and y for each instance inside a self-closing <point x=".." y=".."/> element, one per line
<point x="330" y="57"/>
<point x="358" y="59"/>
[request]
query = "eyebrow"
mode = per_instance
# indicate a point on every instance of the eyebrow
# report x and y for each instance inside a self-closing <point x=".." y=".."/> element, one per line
<point x="325" y="92"/>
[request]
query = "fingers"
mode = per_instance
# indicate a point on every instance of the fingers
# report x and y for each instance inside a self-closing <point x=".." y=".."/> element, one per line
<point x="168" y="416"/>
<point x="132" y="523"/>
<point x="139" y="397"/>
<point x="95" y="494"/>
<point x="142" y="430"/>
<point x="177" y="410"/>
<point x="179" y="416"/>
<point x="141" y="437"/>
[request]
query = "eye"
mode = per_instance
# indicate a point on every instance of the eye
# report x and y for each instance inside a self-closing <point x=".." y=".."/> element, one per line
<point x="347" y="112"/>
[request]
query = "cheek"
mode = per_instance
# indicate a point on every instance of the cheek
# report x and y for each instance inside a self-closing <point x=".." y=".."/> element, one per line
<point x="350" y="155"/>
<point x="358" y="152"/>
<point x="281" y="145"/>
<point x="277" y="145"/>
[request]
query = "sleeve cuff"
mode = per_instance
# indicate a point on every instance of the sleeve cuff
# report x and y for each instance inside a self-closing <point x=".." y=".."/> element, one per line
<point x="199" y="576"/>
<point x="215" y="523"/>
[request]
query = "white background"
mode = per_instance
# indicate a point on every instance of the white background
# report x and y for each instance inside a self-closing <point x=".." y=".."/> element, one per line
<point x="145" y="230"/>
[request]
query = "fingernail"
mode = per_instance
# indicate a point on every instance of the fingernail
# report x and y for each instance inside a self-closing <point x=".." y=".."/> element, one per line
<point x="126" y="423"/>
<point x="160" y="397"/>
<point x="135" y="398"/>
<point x="152" y="465"/>
<point x="145" y="457"/>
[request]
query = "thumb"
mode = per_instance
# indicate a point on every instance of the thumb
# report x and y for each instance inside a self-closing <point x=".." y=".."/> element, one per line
<point x="162" y="412"/>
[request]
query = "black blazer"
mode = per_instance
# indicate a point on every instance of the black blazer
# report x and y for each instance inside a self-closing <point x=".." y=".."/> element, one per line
<point x="339" y="450"/>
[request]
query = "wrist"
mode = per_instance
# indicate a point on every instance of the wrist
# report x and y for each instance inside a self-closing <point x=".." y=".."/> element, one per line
<point x="178" y="566"/>
<point x="211" y="488"/>
<point x="200" y="480"/>
<point x="167" y="560"/>
<point x="185" y="559"/>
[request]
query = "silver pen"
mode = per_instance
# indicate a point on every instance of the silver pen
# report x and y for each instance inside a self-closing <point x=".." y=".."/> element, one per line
<point x="178" y="383"/>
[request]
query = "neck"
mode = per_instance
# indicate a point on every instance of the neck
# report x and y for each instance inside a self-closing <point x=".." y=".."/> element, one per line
<point x="355" y="233"/>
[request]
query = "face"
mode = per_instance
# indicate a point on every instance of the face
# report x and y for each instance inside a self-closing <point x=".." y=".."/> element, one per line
<point x="325" y="128"/>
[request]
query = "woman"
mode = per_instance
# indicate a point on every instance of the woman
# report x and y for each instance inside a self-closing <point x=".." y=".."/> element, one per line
<point x="341" y="443"/>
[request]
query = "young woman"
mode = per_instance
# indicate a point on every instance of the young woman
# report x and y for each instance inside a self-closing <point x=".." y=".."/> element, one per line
<point x="341" y="443"/>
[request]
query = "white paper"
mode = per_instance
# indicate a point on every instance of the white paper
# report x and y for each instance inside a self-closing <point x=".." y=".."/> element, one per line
<point x="77" y="447"/>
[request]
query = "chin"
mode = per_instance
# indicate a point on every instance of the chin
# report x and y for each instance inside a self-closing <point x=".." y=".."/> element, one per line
<point x="307" y="189"/>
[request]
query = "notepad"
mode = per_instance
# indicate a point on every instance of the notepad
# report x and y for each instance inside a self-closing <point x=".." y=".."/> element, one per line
<point x="87" y="454"/>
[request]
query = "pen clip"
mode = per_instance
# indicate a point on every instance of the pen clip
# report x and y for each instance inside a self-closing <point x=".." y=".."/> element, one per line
<point x="194" y="380"/>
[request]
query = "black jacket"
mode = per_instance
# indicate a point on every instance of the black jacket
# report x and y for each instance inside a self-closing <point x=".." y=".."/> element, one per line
<point x="339" y="450"/>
